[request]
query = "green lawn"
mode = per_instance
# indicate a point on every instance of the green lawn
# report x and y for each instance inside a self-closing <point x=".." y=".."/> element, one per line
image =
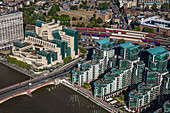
<point x="38" y="70"/>
<point x="86" y="85"/>
<point x="69" y="77"/>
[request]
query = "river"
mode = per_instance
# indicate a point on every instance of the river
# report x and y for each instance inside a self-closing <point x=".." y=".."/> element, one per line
<point x="49" y="99"/>
<point x="10" y="76"/>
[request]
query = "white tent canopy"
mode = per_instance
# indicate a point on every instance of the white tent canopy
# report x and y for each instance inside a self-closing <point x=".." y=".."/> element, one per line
<point x="109" y="99"/>
<point x="113" y="102"/>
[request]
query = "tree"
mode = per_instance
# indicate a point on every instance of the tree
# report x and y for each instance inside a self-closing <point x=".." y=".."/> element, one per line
<point x="132" y="23"/>
<point x="92" y="21"/>
<point x="103" y="6"/>
<point x="105" y="25"/>
<point x="137" y="28"/>
<point x="154" y="6"/>
<point x="165" y="6"/>
<point x="74" y="18"/>
<point x="73" y="25"/>
<point x="80" y="18"/>
<point x="53" y="10"/>
<point x="147" y="7"/>
<point x="121" y="41"/>
<point x="89" y="26"/>
<point x="99" y="20"/>
<point x="31" y="3"/>
<point x="19" y="63"/>
<point x="74" y="7"/>
<point x="78" y="24"/>
<point x="149" y="30"/>
<point x="83" y="55"/>
<point x="82" y="24"/>
<point x="67" y="59"/>
<point x="79" y="36"/>
<point x="82" y="50"/>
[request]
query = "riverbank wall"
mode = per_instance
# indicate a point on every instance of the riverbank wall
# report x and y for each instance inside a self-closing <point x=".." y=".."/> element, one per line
<point x="15" y="68"/>
<point x="67" y="84"/>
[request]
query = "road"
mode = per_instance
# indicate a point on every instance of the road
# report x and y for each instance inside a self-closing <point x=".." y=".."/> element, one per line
<point x="24" y="86"/>
<point x="116" y="11"/>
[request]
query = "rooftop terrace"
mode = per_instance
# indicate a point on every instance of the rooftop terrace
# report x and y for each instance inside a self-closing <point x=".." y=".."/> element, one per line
<point x="103" y="81"/>
<point x="111" y="75"/>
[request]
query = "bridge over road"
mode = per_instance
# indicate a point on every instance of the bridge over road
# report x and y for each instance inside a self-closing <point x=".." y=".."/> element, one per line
<point x="31" y="85"/>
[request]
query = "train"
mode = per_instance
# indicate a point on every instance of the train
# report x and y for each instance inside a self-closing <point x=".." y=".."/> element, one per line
<point x="150" y="41"/>
<point x="102" y="30"/>
<point x="96" y="35"/>
<point x="148" y="35"/>
<point x="119" y="37"/>
<point x="108" y="30"/>
<point x="117" y="33"/>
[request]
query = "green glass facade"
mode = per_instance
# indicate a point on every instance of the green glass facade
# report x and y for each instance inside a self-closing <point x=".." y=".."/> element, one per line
<point x="18" y="44"/>
<point x="30" y="33"/>
<point x="54" y="56"/>
<point x="166" y="107"/>
<point x="112" y="82"/>
<point x="62" y="46"/>
<point x="38" y="23"/>
<point x="160" y="62"/>
<point x="73" y="33"/>
<point x="124" y="64"/>
<point x="149" y="89"/>
<point x="138" y="71"/>
<point x="49" y="56"/>
<point x="56" y="35"/>
<point x="152" y="78"/>
<point x="165" y="89"/>
<point x="129" y="51"/>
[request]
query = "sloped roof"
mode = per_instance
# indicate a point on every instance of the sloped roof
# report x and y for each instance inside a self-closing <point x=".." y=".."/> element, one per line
<point x="158" y="51"/>
<point x="103" y="41"/>
<point x="127" y="45"/>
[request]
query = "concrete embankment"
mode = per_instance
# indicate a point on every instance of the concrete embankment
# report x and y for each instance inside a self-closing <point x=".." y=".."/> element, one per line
<point x="15" y="68"/>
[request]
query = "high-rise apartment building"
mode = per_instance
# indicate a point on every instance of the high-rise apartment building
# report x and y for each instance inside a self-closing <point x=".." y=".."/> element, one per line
<point x="11" y="29"/>
<point x="89" y="71"/>
<point x="148" y="91"/>
<point x="165" y="90"/>
<point x="120" y="77"/>
<point x="112" y="82"/>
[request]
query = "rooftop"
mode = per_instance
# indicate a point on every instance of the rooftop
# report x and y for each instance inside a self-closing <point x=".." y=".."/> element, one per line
<point x="155" y="21"/>
<point x="111" y="75"/>
<point x="167" y="105"/>
<point x="103" y="81"/>
<point x="140" y="62"/>
<point x="6" y="13"/>
<point x="158" y="51"/>
<point x="127" y="45"/>
<point x="103" y="41"/>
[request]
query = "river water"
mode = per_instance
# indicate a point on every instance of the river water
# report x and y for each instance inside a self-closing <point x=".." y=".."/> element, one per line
<point x="49" y="99"/>
<point x="10" y="76"/>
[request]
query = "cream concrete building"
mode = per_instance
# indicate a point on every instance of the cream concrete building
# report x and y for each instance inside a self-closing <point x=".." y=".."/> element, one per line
<point x="49" y="45"/>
